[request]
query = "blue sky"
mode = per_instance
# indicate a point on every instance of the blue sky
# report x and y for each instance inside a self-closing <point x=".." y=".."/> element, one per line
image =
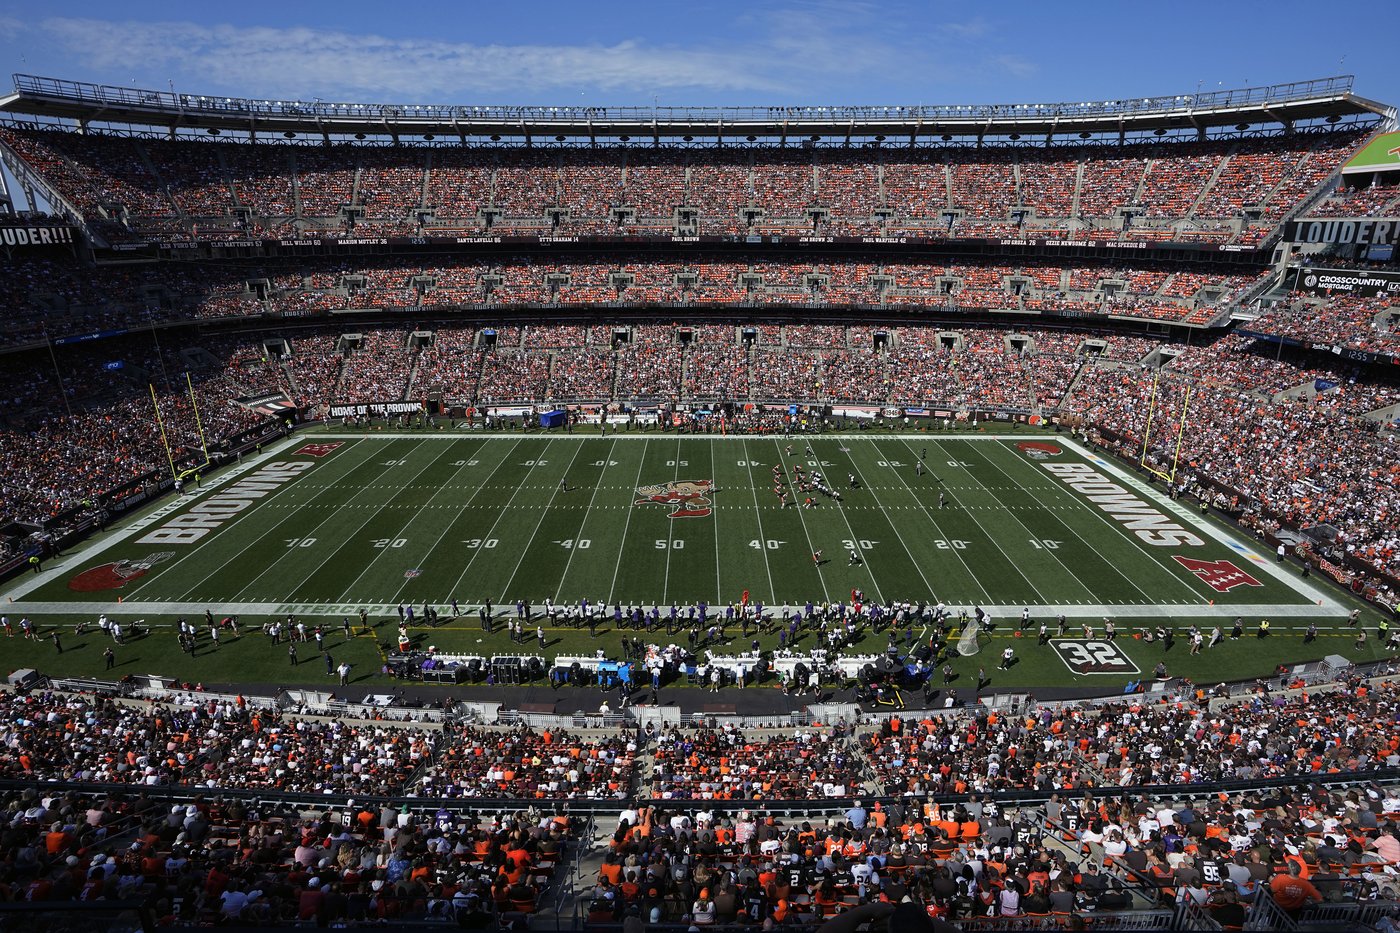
<point x="766" y="52"/>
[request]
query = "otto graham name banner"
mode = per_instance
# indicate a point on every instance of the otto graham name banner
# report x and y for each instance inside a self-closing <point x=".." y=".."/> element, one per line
<point x="1362" y="283"/>
<point x="1374" y="232"/>
<point x="37" y="235"/>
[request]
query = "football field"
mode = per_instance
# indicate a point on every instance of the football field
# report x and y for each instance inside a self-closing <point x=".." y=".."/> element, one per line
<point x="326" y="524"/>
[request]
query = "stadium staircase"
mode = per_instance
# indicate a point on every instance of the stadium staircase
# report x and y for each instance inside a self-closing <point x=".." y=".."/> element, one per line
<point x="292" y="172"/>
<point x="1322" y="191"/>
<point x="427" y="180"/>
<point x="1142" y="182"/>
<point x="150" y="166"/>
<point x="29" y="179"/>
<point x="1078" y="187"/>
<point x="355" y="185"/>
<point x="1210" y="183"/>
<point x="228" y="177"/>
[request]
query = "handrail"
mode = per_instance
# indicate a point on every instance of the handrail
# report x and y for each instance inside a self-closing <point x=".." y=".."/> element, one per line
<point x="107" y="95"/>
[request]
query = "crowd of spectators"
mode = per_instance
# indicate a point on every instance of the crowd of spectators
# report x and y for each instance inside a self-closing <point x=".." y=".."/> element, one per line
<point x="724" y="764"/>
<point x="1369" y="324"/>
<point x="75" y="431"/>
<point x="1300" y="462"/>
<point x="228" y="861"/>
<point x="187" y="187"/>
<point x="524" y="763"/>
<point x="49" y="298"/>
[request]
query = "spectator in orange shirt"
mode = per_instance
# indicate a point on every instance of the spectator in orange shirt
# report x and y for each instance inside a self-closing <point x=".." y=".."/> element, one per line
<point x="1293" y="892"/>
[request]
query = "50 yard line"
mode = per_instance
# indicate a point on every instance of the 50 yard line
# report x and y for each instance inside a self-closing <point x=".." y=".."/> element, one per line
<point x="666" y="581"/>
<point x="622" y="547"/>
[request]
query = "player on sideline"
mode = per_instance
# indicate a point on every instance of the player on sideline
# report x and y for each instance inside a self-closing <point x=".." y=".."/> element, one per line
<point x="1007" y="656"/>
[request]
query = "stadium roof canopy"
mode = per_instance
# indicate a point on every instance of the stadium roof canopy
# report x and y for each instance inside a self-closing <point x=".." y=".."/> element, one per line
<point x="1329" y="99"/>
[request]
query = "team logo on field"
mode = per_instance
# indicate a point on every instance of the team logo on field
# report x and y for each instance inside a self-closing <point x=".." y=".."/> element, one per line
<point x="1088" y="656"/>
<point x="690" y="498"/>
<point x="1039" y="450"/>
<point x="1220" y="575"/>
<point x="116" y="574"/>
<point x="316" y="450"/>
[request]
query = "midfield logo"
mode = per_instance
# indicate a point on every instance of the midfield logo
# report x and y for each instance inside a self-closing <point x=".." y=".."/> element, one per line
<point x="1084" y="656"/>
<point x="1039" y="450"/>
<point x="1220" y="575"/>
<point x="691" y="498"/>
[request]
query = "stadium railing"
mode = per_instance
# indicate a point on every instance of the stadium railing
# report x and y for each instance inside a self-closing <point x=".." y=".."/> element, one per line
<point x="318" y="802"/>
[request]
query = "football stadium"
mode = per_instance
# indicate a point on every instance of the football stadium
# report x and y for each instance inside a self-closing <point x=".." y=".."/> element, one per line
<point x="973" y="516"/>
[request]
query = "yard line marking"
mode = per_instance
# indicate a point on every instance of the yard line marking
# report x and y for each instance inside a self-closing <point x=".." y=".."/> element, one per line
<point x="995" y="543"/>
<point x="346" y="540"/>
<point x="811" y="548"/>
<point x="855" y="539"/>
<point x="719" y="584"/>
<point x="453" y="521"/>
<point x="762" y="536"/>
<point x="504" y="509"/>
<point x="1065" y="525"/>
<point x="627" y="523"/>
<point x="895" y="526"/>
<point x="666" y="580"/>
<point x="552" y="496"/>
<point x="276" y="525"/>
<point x="569" y="562"/>
<point x="1053" y="556"/>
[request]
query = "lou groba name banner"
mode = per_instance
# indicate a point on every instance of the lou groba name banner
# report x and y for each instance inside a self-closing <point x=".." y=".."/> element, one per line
<point x="1377" y="232"/>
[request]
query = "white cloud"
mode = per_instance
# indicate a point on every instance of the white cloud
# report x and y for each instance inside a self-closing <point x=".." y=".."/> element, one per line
<point x="806" y="49"/>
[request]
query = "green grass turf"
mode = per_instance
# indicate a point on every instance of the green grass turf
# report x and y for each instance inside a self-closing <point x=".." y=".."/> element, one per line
<point x="384" y="519"/>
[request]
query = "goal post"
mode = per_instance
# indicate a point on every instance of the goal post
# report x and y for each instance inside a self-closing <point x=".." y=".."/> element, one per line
<point x="1170" y="476"/>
